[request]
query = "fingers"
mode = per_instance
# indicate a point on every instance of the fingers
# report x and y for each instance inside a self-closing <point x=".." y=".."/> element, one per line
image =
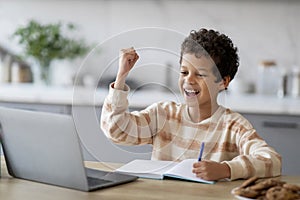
<point x="128" y="51"/>
<point x="201" y="169"/>
<point x="201" y="173"/>
<point x="198" y="167"/>
<point x="211" y="170"/>
<point x="129" y="54"/>
<point x="197" y="164"/>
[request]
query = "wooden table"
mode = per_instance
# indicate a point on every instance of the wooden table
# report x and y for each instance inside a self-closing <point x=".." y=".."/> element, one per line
<point x="14" y="189"/>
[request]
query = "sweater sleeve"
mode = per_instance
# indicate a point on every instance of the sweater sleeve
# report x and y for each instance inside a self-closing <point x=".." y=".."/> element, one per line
<point x="256" y="158"/>
<point x="124" y="127"/>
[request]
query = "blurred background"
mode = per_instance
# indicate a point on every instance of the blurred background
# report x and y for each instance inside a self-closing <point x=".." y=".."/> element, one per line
<point x="262" y="30"/>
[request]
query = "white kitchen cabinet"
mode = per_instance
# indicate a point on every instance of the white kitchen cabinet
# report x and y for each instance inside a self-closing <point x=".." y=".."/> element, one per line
<point x="282" y="132"/>
<point x="54" y="108"/>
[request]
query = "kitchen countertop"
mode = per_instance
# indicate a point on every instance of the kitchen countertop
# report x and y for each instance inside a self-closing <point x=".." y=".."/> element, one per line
<point x="244" y="103"/>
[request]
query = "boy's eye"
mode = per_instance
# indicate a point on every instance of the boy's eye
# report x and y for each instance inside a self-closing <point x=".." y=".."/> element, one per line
<point x="184" y="72"/>
<point x="201" y="75"/>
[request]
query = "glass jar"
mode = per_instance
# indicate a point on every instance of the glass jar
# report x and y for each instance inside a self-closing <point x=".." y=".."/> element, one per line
<point x="267" y="80"/>
<point x="5" y="67"/>
<point x="295" y="91"/>
<point x="20" y="72"/>
<point x="283" y="82"/>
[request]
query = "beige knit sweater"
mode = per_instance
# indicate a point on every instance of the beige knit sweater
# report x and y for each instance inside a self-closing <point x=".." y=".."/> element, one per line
<point x="228" y="136"/>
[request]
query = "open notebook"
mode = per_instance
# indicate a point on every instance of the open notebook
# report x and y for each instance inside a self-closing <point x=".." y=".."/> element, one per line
<point x="156" y="169"/>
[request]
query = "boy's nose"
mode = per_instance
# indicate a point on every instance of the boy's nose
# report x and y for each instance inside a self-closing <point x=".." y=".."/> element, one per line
<point x="191" y="79"/>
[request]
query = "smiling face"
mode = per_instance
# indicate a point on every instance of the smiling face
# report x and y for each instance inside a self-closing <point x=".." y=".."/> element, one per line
<point x="197" y="82"/>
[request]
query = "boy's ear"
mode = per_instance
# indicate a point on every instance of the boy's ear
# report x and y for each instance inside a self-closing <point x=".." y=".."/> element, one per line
<point x="224" y="83"/>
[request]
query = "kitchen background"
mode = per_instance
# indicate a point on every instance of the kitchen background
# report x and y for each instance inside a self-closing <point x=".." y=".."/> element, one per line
<point x="266" y="33"/>
<point x="262" y="30"/>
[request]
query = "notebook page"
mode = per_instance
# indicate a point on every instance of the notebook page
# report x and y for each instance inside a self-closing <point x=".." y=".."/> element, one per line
<point x="183" y="170"/>
<point x="147" y="168"/>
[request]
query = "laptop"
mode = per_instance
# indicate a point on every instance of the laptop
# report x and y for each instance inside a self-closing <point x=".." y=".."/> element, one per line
<point x="45" y="147"/>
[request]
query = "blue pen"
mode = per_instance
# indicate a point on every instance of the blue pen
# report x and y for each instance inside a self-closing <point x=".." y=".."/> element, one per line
<point x="201" y="152"/>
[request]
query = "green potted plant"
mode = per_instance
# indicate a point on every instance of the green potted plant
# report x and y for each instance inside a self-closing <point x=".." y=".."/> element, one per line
<point x="47" y="42"/>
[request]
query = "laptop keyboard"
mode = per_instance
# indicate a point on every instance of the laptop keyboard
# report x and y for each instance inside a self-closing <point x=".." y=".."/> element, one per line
<point x="96" y="181"/>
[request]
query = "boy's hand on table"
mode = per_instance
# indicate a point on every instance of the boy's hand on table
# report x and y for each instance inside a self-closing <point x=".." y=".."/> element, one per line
<point x="210" y="170"/>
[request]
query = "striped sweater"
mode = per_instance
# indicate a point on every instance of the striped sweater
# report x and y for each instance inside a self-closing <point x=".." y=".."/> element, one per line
<point x="228" y="136"/>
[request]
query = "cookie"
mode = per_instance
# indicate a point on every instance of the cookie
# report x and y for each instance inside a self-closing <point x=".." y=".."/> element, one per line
<point x="266" y="184"/>
<point x="262" y="197"/>
<point x="294" y="188"/>
<point x="280" y="193"/>
<point x="249" y="182"/>
<point x="268" y="189"/>
<point x="246" y="192"/>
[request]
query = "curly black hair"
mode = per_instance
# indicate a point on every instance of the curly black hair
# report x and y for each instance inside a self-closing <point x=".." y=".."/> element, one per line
<point x="218" y="46"/>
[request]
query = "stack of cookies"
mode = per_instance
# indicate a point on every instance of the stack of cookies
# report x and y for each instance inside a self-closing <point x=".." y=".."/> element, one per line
<point x="269" y="189"/>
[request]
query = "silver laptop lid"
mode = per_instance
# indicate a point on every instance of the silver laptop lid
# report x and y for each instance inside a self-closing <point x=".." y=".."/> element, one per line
<point x="42" y="147"/>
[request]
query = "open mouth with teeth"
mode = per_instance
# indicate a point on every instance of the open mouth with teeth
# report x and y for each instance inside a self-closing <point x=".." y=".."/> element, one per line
<point x="191" y="93"/>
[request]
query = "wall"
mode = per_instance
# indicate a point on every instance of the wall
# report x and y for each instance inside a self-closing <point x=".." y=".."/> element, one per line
<point x="260" y="29"/>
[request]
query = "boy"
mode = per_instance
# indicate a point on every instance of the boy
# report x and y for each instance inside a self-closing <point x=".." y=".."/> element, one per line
<point x="233" y="149"/>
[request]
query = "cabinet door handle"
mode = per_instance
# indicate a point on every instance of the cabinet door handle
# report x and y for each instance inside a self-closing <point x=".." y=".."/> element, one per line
<point x="269" y="124"/>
